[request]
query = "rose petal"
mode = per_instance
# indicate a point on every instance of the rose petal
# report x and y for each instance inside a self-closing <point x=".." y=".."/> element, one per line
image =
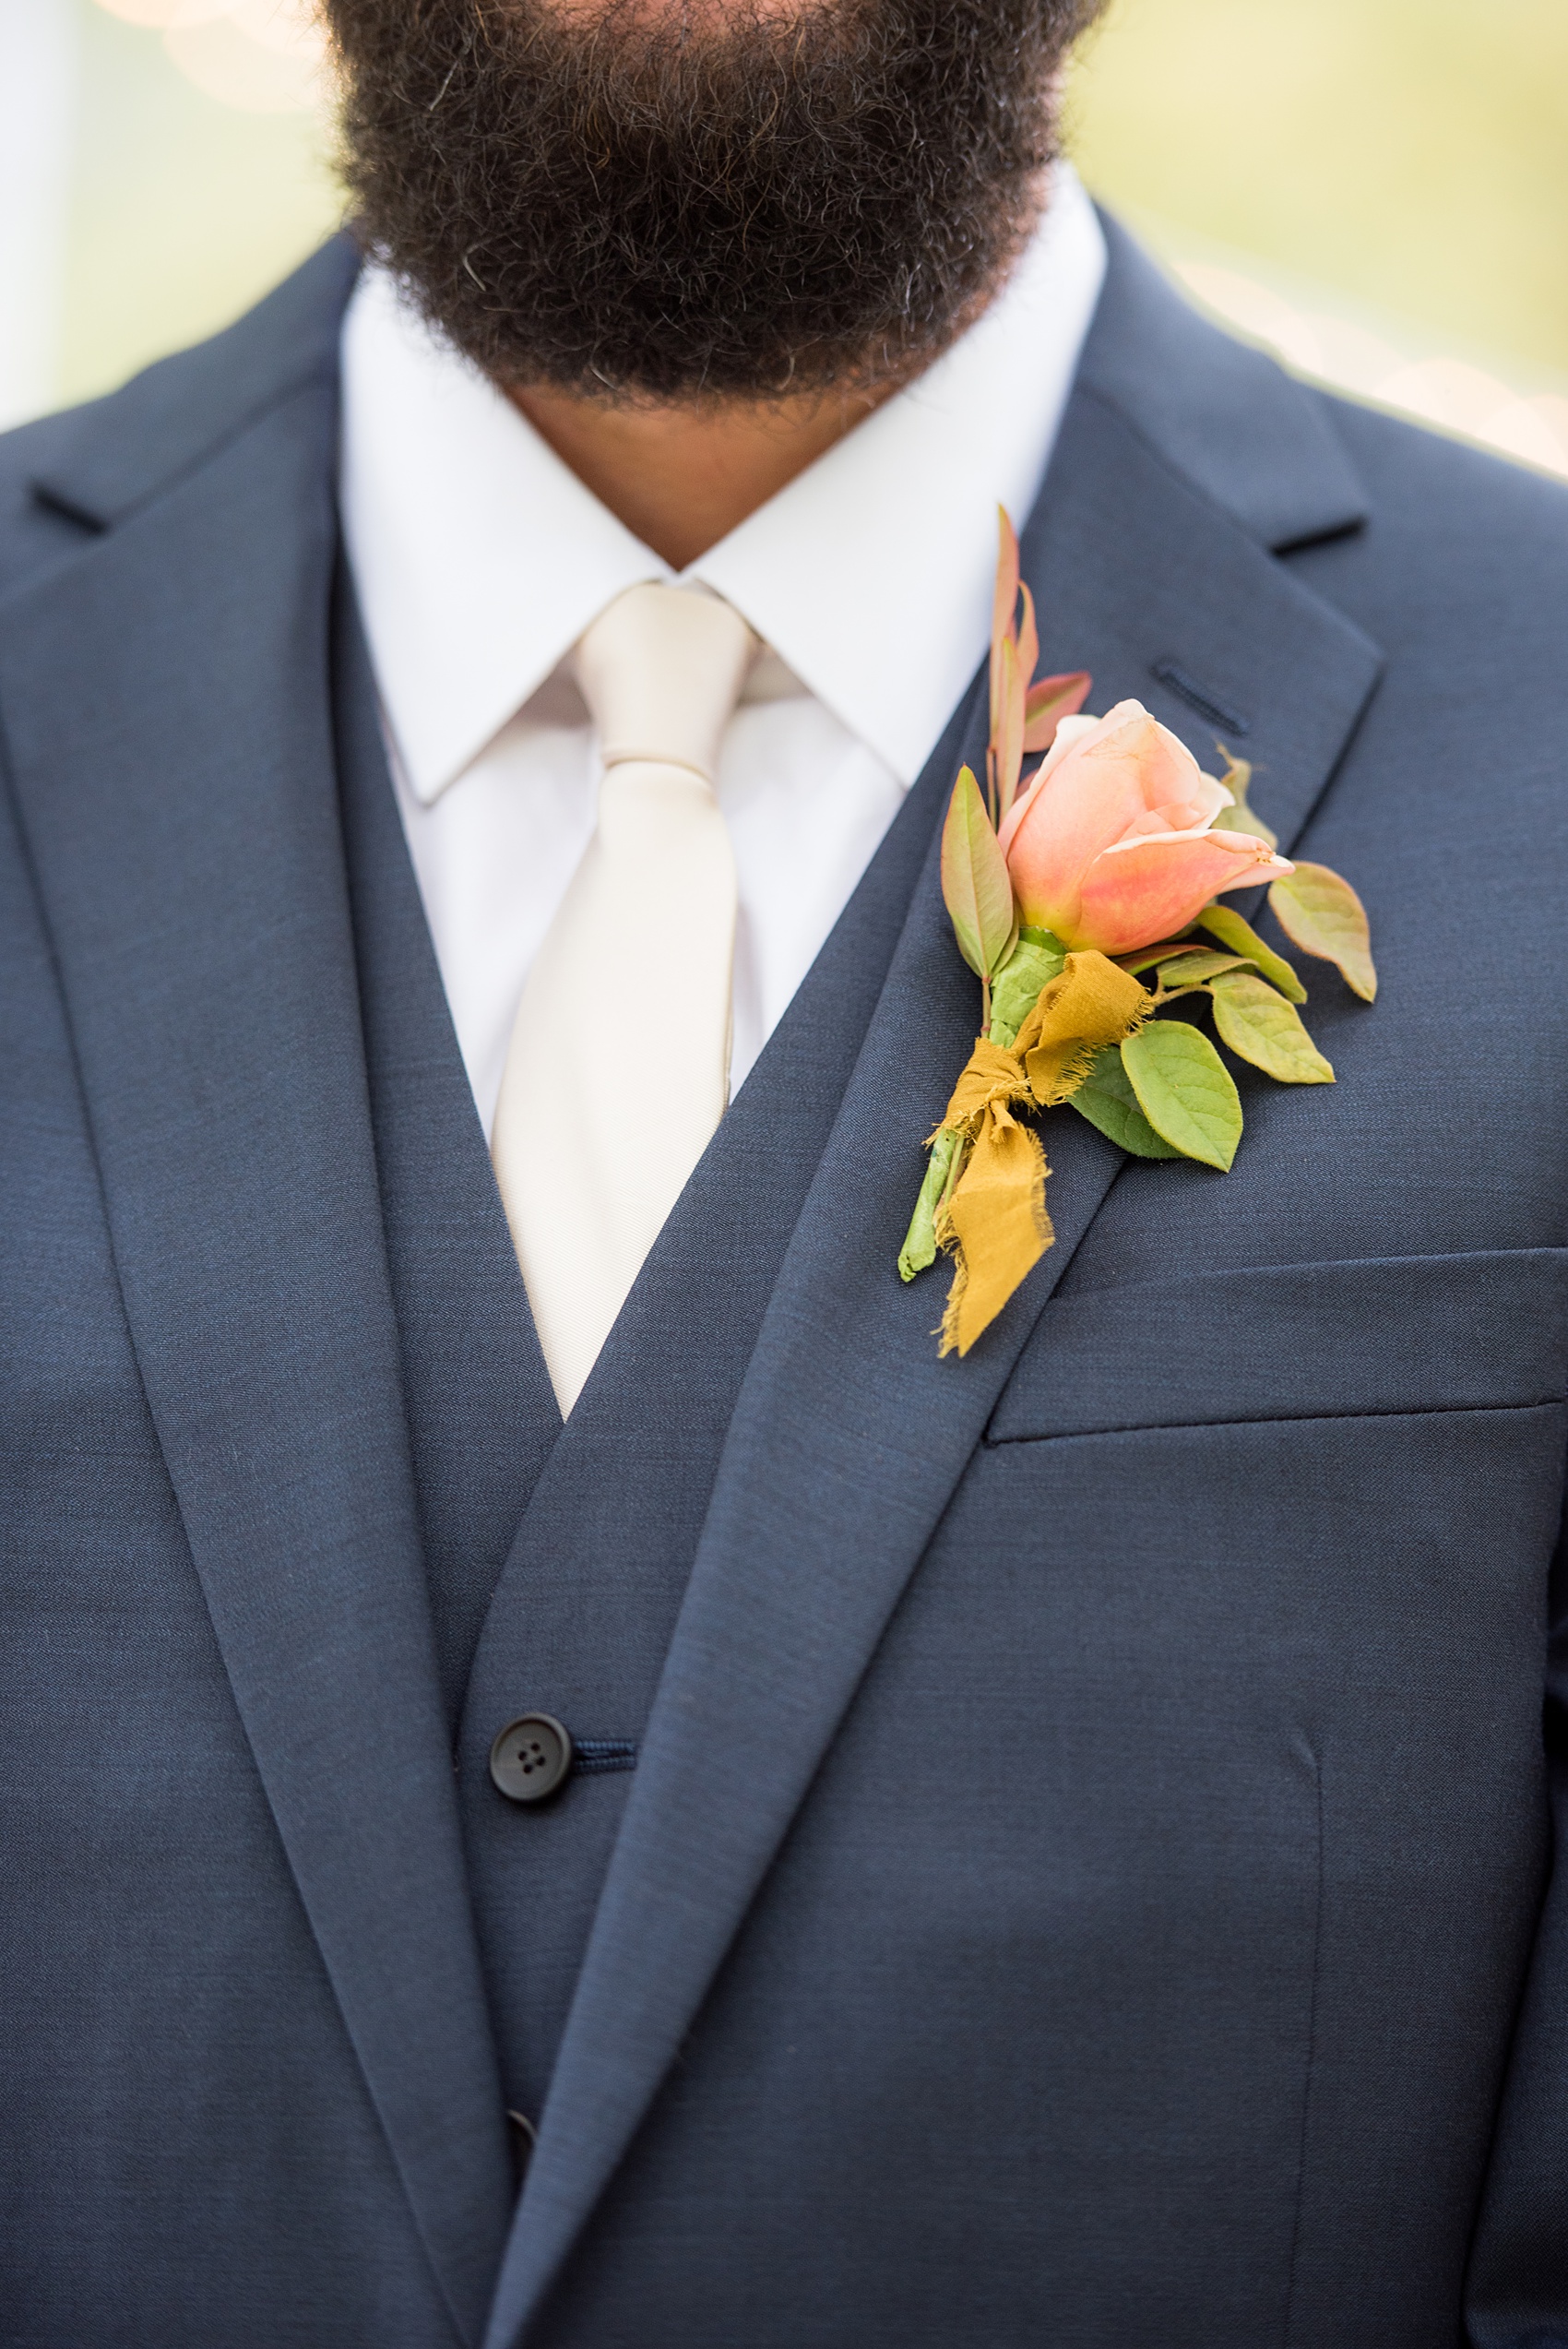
<point x="1070" y="731"/>
<point x="1211" y="799"/>
<point x="1175" y="818"/>
<point x="1151" y="888"/>
<point x="1053" y="833"/>
<point x="1108" y="784"/>
<point x="1168" y="773"/>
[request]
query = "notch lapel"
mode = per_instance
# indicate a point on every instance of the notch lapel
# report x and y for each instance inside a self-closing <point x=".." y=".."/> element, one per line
<point x="165" y="702"/>
<point x="850" y="1434"/>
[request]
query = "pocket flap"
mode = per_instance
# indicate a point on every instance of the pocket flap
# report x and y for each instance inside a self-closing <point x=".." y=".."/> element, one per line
<point x="1296" y="1341"/>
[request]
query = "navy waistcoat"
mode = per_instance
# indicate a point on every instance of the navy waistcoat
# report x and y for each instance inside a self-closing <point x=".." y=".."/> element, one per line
<point x="558" y="1555"/>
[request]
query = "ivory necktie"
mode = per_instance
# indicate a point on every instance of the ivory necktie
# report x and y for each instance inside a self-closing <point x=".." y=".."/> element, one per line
<point x="618" y="1070"/>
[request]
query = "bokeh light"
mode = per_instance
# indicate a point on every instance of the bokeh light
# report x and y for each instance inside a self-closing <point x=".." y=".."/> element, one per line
<point x="260" y="56"/>
<point x="1448" y="392"/>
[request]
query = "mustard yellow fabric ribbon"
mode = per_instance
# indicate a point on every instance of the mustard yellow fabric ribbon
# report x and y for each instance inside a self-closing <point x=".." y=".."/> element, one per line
<point x="992" y="1218"/>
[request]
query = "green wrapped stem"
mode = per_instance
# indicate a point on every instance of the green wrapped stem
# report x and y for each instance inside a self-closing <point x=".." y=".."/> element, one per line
<point x="919" y="1243"/>
<point x="1032" y="964"/>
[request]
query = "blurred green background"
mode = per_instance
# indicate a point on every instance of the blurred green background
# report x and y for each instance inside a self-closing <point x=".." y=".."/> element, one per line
<point x="1412" y="154"/>
<point x="1378" y="187"/>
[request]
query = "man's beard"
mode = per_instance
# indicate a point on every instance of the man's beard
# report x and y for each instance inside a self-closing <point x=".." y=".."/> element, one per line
<point x="609" y="199"/>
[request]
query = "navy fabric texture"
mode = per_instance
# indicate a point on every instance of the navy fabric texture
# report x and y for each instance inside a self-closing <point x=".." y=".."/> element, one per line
<point x="1088" y="1870"/>
<point x="483" y="1415"/>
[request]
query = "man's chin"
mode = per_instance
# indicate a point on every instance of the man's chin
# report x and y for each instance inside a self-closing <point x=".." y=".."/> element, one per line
<point x="681" y="198"/>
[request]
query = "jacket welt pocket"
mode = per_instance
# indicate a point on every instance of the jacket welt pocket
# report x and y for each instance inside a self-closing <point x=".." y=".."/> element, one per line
<point x="1482" y="1331"/>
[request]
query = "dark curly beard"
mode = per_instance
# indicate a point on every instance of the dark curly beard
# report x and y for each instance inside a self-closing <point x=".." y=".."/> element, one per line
<point x="608" y="197"/>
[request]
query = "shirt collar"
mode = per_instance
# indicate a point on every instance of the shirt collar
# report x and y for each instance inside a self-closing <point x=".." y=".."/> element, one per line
<point x="480" y="558"/>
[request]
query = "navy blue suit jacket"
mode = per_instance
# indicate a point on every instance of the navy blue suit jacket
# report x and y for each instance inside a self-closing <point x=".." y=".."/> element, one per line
<point x="1087" y="1874"/>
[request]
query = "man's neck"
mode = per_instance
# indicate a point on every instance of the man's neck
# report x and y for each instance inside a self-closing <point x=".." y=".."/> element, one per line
<point x="683" y="477"/>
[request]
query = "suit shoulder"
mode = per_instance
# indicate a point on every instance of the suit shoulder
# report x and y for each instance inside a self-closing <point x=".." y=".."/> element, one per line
<point x="1462" y="562"/>
<point x="78" y="473"/>
<point x="1429" y="484"/>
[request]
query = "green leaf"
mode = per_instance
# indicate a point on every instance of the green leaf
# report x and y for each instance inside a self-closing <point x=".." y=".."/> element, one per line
<point x="976" y="887"/>
<point x="1325" y="917"/>
<point x="1184" y="1089"/>
<point x="1043" y="938"/>
<point x="1194" y="969"/>
<point x="1108" y="1101"/>
<point x="1263" y="1027"/>
<point x="1228" y="926"/>
<point x="1239" y="816"/>
<point x="1017" y="989"/>
<point x="920" y="1241"/>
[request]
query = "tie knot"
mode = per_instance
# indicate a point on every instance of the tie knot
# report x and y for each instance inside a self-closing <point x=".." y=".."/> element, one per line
<point x="662" y="670"/>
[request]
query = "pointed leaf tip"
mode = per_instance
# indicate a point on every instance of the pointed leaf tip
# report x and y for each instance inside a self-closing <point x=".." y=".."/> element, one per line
<point x="1223" y="923"/>
<point x="1320" y="910"/>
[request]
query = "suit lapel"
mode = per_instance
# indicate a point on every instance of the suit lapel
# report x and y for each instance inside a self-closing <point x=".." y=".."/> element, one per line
<point x="166" y="709"/>
<point x="850" y="1434"/>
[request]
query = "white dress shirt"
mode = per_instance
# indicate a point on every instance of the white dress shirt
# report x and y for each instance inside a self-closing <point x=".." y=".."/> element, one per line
<point x="479" y="558"/>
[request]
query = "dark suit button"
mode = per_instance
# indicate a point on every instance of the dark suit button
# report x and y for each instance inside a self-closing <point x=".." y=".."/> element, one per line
<point x="530" y="1757"/>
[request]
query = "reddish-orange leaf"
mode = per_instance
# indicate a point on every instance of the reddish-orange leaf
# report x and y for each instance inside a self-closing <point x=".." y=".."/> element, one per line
<point x="1051" y="700"/>
<point x="1010" y="742"/>
<point x="1028" y="640"/>
<point x="1002" y="613"/>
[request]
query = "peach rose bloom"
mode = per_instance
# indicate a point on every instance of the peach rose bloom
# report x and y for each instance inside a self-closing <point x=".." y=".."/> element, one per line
<point x="1112" y="845"/>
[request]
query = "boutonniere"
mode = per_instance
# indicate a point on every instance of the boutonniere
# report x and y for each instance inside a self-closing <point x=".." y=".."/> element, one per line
<point x="1085" y="902"/>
